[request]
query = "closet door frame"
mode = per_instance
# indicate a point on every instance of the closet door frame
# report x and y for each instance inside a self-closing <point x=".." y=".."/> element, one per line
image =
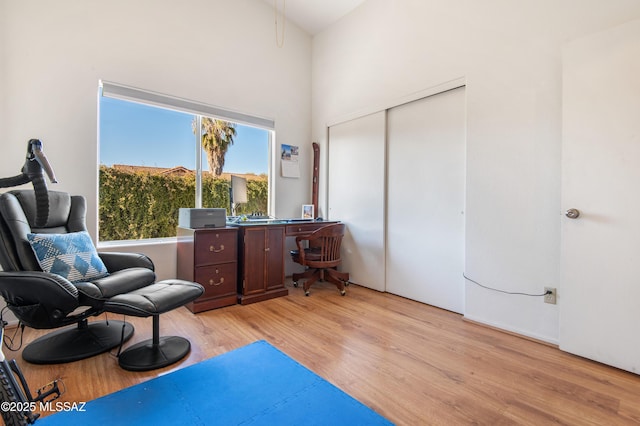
<point x="375" y="262"/>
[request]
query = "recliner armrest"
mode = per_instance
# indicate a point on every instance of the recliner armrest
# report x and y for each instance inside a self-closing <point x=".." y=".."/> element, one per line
<point x="39" y="298"/>
<point x="117" y="261"/>
<point x="119" y="282"/>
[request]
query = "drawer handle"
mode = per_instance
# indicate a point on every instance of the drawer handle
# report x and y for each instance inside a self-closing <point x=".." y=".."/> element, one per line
<point x="211" y="282"/>
<point x="267" y="249"/>
<point x="214" y="250"/>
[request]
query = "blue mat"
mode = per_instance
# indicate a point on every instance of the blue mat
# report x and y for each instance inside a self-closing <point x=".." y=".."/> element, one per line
<point x="253" y="385"/>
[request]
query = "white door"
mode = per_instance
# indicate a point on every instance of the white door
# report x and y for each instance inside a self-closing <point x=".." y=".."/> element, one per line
<point x="426" y="193"/>
<point x="356" y="195"/>
<point x="599" y="294"/>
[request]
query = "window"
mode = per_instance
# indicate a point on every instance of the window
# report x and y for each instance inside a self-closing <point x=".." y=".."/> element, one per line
<point x="153" y="161"/>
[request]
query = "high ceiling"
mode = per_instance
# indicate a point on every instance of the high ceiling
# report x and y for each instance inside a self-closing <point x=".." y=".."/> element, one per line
<point x="314" y="15"/>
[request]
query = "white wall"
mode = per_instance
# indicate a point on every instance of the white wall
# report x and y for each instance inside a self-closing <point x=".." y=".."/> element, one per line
<point x="3" y="37"/>
<point x="219" y="52"/>
<point x="509" y="53"/>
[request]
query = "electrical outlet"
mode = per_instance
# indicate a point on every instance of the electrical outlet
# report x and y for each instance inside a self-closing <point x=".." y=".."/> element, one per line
<point x="550" y="295"/>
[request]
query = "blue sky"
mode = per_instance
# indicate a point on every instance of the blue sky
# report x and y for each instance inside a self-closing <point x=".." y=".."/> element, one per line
<point x="142" y="135"/>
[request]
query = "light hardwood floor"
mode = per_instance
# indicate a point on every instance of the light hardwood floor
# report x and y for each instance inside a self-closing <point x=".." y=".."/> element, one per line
<point x="412" y="363"/>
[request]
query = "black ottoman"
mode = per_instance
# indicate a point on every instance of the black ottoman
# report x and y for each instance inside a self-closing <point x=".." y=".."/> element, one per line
<point x="154" y="300"/>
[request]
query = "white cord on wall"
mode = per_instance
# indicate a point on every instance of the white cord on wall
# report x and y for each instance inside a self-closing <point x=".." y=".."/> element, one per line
<point x="280" y="40"/>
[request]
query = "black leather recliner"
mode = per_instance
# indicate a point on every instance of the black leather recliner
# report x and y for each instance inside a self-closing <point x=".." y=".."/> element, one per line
<point x="44" y="300"/>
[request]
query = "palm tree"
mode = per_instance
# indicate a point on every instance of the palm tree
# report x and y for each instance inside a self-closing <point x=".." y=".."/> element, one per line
<point x="217" y="136"/>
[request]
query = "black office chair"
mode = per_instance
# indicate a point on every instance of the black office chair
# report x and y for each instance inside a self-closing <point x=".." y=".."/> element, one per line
<point x="121" y="283"/>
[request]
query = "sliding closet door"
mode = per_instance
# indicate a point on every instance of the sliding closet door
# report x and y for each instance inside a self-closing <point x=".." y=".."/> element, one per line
<point x="356" y="195"/>
<point x="426" y="192"/>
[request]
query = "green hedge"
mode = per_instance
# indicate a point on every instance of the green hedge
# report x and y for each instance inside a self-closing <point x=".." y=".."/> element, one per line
<point x="137" y="205"/>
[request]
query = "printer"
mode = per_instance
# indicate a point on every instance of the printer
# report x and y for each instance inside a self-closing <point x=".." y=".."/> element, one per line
<point x="202" y="218"/>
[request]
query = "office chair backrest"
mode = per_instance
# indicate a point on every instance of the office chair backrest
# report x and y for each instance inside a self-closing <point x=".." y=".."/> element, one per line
<point x="17" y="218"/>
<point x="329" y="238"/>
<point x="324" y="243"/>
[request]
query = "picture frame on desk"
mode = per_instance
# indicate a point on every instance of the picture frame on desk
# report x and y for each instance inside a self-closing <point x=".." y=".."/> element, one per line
<point x="307" y="211"/>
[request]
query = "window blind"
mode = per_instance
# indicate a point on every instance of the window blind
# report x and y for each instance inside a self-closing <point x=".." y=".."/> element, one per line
<point x="118" y="91"/>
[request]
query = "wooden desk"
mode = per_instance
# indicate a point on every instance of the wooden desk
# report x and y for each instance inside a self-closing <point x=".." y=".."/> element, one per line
<point x="261" y="257"/>
<point x="243" y="263"/>
<point x="209" y="257"/>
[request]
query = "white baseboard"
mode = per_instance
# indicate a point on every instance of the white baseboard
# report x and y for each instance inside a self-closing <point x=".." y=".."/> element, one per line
<point x="512" y="330"/>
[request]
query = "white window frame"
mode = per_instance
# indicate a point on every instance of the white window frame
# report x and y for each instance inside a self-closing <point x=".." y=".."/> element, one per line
<point x="199" y="109"/>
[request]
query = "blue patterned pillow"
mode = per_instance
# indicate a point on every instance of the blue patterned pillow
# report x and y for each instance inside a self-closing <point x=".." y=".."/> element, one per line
<point x="72" y="256"/>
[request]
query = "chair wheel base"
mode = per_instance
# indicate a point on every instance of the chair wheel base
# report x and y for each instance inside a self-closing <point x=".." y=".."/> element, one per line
<point x="76" y="343"/>
<point x="146" y="355"/>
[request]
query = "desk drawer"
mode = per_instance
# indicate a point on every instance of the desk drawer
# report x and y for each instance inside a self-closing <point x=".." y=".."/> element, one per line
<point x="217" y="280"/>
<point x="304" y="228"/>
<point x="216" y="246"/>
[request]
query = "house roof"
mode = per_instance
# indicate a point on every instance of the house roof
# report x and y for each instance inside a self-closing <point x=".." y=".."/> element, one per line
<point x="179" y="170"/>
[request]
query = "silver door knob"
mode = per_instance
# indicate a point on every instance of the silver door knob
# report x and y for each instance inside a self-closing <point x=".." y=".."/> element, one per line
<point x="572" y="213"/>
